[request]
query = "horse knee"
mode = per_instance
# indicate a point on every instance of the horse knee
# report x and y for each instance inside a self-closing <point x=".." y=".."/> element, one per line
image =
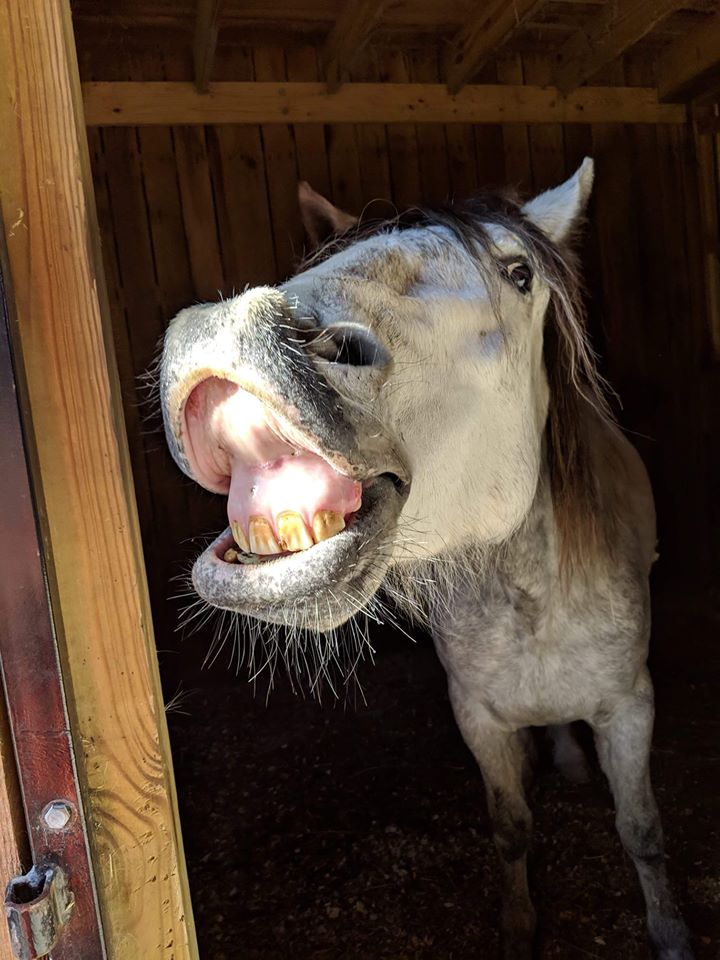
<point x="512" y="826"/>
<point x="642" y="837"/>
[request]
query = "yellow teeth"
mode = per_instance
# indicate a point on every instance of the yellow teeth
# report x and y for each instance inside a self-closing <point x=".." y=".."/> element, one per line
<point x="326" y="523"/>
<point x="239" y="536"/>
<point x="292" y="532"/>
<point x="262" y="539"/>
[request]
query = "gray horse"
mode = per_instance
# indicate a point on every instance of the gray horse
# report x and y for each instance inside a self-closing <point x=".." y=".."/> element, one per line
<point x="418" y="411"/>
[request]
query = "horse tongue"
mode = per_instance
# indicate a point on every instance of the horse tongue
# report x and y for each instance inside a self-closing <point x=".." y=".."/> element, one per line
<point x="300" y="484"/>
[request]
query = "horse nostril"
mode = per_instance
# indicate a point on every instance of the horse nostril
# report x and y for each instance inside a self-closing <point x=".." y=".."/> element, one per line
<point x="353" y="345"/>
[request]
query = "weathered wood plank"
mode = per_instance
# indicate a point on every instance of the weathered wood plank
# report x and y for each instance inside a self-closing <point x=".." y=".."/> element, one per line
<point x="432" y="145"/>
<point x="516" y="145"/>
<point x="546" y="139"/>
<point x="348" y="38"/>
<point x="372" y="146"/>
<point x="100" y="600"/>
<point x="122" y="104"/>
<point x="207" y="17"/>
<point x="490" y="26"/>
<point x="402" y="143"/>
<point x="605" y="37"/>
<point x="280" y="171"/>
<point x="237" y="168"/>
<point x="310" y="147"/>
<point x="706" y="149"/>
<point x="689" y="60"/>
<point x="198" y="210"/>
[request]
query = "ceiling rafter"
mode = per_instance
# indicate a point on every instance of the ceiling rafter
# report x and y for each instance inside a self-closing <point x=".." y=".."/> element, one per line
<point x="348" y="37"/>
<point x="688" y="59"/>
<point x="483" y="35"/>
<point x="606" y="36"/>
<point x="172" y="103"/>
<point x="207" y="17"/>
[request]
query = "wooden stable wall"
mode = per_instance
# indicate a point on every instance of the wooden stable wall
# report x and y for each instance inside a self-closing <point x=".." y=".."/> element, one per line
<point x="188" y="213"/>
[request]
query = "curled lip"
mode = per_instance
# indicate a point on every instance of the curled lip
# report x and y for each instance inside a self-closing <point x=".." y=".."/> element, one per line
<point x="306" y="575"/>
<point x="287" y="426"/>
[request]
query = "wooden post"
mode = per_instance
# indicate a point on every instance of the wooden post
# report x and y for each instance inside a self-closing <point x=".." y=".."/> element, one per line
<point x="90" y="525"/>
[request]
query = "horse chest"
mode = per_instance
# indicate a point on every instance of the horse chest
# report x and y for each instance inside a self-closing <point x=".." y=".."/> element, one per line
<point x="527" y="664"/>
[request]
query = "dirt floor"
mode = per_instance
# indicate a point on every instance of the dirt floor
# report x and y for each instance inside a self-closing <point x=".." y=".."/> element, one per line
<point x="339" y="833"/>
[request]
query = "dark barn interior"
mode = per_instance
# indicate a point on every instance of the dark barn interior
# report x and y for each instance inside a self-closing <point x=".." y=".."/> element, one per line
<point x="357" y="827"/>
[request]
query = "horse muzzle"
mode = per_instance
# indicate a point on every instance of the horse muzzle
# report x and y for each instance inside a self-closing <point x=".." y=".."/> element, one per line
<point x="314" y="488"/>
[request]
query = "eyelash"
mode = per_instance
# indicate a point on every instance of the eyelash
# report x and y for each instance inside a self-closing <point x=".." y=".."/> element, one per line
<point x="519" y="274"/>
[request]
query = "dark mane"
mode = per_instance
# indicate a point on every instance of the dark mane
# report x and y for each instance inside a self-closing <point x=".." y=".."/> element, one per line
<point x="577" y="391"/>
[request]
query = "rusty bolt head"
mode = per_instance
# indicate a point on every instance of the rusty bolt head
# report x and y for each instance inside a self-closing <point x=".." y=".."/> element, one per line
<point x="57" y="814"/>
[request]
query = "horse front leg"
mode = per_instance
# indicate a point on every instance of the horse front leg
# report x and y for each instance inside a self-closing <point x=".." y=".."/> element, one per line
<point x="623" y="745"/>
<point x="501" y="757"/>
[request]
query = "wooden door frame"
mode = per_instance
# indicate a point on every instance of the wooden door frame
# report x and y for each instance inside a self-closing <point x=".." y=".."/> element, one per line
<point x="32" y="678"/>
<point x="89" y="522"/>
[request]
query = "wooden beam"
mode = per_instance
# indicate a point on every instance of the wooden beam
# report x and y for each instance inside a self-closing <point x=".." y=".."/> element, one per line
<point x="89" y="525"/>
<point x="348" y="37"/>
<point x="205" y="41"/>
<point x="489" y="27"/>
<point x="136" y="104"/>
<point x="707" y="154"/>
<point x="689" y="60"/>
<point x="607" y="35"/>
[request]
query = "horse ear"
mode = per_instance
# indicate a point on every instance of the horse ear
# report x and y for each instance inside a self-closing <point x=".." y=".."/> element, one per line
<point x="321" y="219"/>
<point x="556" y="211"/>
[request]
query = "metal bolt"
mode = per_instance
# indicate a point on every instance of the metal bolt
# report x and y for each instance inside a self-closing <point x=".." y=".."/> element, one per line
<point x="57" y="814"/>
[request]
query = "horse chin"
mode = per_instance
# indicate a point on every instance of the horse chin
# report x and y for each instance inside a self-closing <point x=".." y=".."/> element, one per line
<point x="318" y="588"/>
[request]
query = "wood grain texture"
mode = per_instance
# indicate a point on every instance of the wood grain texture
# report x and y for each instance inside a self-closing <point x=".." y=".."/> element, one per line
<point x="402" y="142"/>
<point x="605" y="36"/>
<point x="90" y="526"/>
<point x="546" y="139"/>
<point x="516" y="145"/>
<point x="687" y="62"/>
<point x="14" y="853"/>
<point x="708" y="161"/>
<point x="141" y="104"/>
<point x="350" y="33"/>
<point x="207" y="16"/>
<point x="281" y="170"/>
<point x="489" y="27"/>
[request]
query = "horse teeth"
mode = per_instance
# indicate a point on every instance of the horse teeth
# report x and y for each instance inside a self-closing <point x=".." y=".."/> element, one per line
<point x="239" y="536"/>
<point x="326" y="523"/>
<point x="292" y="532"/>
<point x="262" y="538"/>
<point x="230" y="555"/>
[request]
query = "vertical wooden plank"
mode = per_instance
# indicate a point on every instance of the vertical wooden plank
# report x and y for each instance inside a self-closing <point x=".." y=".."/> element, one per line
<point x="280" y="170"/>
<point x="431" y="142"/>
<point x="489" y="153"/>
<point x="240" y="188"/>
<point x="546" y="139"/>
<point x="516" y="145"/>
<point x="97" y="576"/>
<point x="198" y="211"/>
<point x="310" y="147"/>
<point x="708" y="189"/>
<point x="402" y="142"/>
<point x="462" y="173"/>
<point x="344" y="167"/>
<point x="104" y="195"/>
<point x="372" y="147"/>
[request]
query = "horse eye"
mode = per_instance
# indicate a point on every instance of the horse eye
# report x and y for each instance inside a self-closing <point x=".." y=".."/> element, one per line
<point x="520" y="274"/>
